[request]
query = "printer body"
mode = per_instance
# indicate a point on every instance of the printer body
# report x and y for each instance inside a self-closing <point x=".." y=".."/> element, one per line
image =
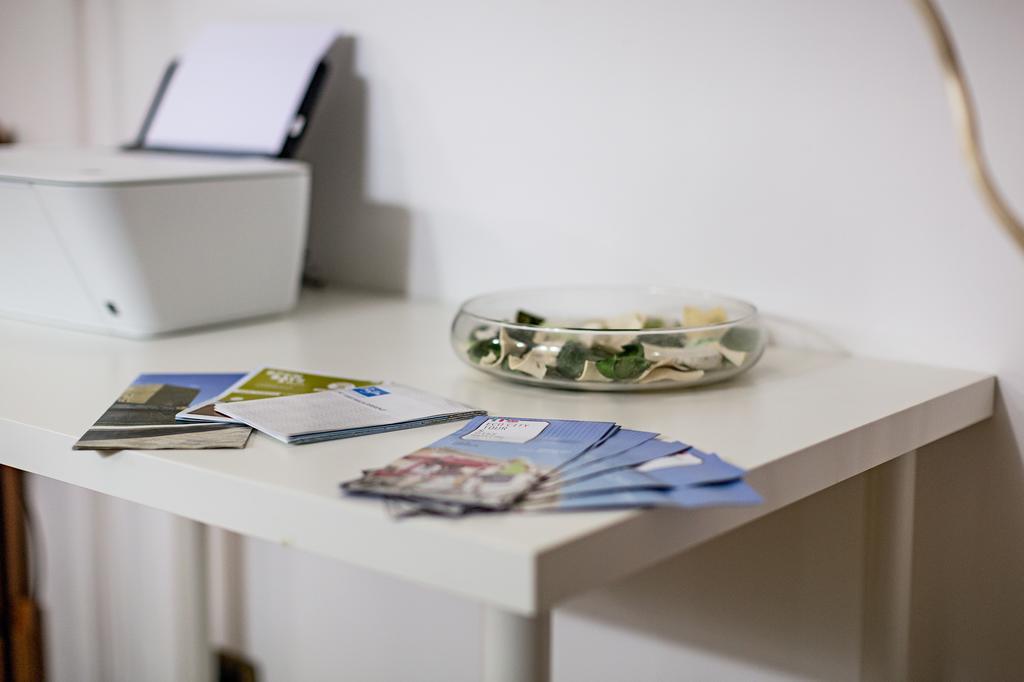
<point x="142" y="243"/>
<point x="192" y="227"/>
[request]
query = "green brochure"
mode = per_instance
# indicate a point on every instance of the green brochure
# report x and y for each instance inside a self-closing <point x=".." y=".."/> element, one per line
<point x="269" y="382"/>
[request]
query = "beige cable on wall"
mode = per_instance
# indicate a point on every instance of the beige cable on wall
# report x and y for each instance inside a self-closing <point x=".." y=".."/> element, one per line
<point x="966" y="120"/>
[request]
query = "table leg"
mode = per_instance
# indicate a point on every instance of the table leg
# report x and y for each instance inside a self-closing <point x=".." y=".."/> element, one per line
<point x="516" y="648"/>
<point x="193" y="623"/>
<point x="889" y="536"/>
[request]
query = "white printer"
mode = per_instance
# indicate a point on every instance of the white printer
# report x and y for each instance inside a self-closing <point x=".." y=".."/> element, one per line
<point x="202" y="222"/>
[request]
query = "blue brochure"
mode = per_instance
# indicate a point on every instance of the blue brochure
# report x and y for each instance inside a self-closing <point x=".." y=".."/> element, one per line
<point x="489" y="463"/>
<point x="619" y="442"/>
<point x="622" y="499"/>
<point x="732" y="494"/>
<point x="678" y="470"/>
<point x="645" y="452"/>
<point x="617" y="479"/>
<point x="548" y="443"/>
<point x="692" y="468"/>
<point x="689" y="479"/>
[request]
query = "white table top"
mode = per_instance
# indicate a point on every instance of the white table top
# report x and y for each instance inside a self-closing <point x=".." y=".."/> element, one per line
<point x="800" y="422"/>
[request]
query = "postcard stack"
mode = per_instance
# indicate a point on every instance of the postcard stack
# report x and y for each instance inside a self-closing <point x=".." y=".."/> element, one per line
<point x="198" y="411"/>
<point x="501" y="463"/>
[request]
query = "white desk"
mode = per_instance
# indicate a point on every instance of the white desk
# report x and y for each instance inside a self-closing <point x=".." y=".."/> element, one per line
<point x="800" y="422"/>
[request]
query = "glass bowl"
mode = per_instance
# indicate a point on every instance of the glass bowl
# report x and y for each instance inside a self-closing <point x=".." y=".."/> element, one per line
<point x="609" y="338"/>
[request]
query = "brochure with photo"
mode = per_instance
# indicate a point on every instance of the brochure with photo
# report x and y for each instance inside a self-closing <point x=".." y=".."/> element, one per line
<point x="489" y="463"/>
<point x="143" y="417"/>
<point x="267" y="382"/>
<point x="535" y="465"/>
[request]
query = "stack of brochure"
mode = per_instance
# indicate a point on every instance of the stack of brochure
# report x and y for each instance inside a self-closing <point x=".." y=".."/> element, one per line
<point x="501" y="463"/>
<point x="490" y="464"/>
<point x="192" y="411"/>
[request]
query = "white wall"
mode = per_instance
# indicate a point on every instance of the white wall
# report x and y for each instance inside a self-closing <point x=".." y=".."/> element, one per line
<point x="40" y="84"/>
<point x="798" y="154"/>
